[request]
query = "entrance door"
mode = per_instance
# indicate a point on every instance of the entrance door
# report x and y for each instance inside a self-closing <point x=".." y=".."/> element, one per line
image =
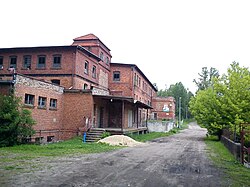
<point x="101" y="117"/>
<point x="130" y="118"/>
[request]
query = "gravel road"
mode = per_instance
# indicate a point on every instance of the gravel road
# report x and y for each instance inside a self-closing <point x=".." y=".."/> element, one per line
<point x="178" y="160"/>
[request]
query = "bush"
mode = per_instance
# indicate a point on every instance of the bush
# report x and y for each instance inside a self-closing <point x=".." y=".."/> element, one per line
<point x="16" y="122"/>
<point x="105" y="134"/>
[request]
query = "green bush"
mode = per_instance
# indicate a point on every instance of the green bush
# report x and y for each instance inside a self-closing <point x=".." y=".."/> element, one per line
<point x="15" y="122"/>
<point x="105" y="134"/>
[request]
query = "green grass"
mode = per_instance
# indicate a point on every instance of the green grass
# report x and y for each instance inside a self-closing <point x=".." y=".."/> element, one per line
<point x="224" y="160"/>
<point x="73" y="146"/>
<point x="154" y="135"/>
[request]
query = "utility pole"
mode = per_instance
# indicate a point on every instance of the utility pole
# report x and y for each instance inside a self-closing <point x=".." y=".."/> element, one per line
<point x="179" y="112"/>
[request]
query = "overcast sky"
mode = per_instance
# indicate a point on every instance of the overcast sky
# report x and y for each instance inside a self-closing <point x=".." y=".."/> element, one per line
<point x="169" y="40"/>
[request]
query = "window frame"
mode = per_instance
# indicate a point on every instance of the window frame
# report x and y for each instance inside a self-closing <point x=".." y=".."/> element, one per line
<point x="10" y="63"/>
<point x="116" y="73"/>
<point x="86" y="70"/>
<point x="59" y="64"/>
<point x="1" y="62"/>
<point x="53" y="103"/>
<point x="27" y="61"/>
<point x="42" y="101"/>
<point x="29" y="99"/>
<point x="94" y="71"/>
<point x="38" y="66"/>
<point x="101" y="55"/>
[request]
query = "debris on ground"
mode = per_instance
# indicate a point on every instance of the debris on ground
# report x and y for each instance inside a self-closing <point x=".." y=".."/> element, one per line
<point x="120" y="140"/>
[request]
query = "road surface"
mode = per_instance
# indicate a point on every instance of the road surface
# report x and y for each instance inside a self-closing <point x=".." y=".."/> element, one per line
<point x="178" y="160"/>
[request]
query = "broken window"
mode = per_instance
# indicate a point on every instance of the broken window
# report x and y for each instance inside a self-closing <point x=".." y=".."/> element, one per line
<point x="42" y="102"/>
<point x="41" y="63"/>
<point x="57" y="61"/>
<point x="27" y="62"/>
<point x="53" y="103"/>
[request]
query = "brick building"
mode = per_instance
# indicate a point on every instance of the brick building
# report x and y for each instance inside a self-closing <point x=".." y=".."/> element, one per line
<point x="163" y="108"/>
<point x="80" y="80"/>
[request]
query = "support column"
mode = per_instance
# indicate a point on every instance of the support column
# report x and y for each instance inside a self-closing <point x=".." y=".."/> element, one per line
<point x="147" y="119"/>
<point x="137" y="116"/>
<point x="123" y="111"/>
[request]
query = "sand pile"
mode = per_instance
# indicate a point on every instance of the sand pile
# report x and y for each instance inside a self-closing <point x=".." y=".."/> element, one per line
<point x="120" y="140"/>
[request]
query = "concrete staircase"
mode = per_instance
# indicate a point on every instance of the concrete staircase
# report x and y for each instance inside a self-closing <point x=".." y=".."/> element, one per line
<point x="94" y="134"/>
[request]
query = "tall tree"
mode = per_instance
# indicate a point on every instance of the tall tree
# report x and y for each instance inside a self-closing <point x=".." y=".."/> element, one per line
<point x="226" y="104"/>
<point x="15" y="122"/>
<point x="206" y="77"/>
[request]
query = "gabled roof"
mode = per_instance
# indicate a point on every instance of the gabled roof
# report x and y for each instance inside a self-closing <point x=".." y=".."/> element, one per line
<point x="87" y="37"/>
<point x="138" y="69"/>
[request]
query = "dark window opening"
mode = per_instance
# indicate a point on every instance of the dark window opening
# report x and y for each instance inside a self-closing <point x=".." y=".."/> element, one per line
<point x="41" y="62"/>
<point x="55" y="81"/>
<point x="94" y="72"/>
<point x="1" y="62"/>
<point x="13" y="62"/>
<point x="86" y="68"/>
<point x="57" y="61"/>
<point x="116" y="76"/>
<point x="50" y="138"/>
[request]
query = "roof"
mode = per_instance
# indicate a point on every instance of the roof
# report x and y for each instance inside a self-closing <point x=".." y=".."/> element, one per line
<point x="138" y="69"/>
<point x="89" y="37"/>
<point x="51" y="47"/>
<point x="121" y="98"/>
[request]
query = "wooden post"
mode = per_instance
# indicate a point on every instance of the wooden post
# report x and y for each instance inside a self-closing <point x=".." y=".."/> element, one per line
<point x="122" y="116"/>
<point x="137" y="117"/>
<point x="147" y="119"/>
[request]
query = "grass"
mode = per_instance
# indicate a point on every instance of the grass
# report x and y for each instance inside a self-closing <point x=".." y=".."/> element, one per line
<point x="154" y="135"/>
<point x="23" y="153"/>
<point x="224" y="160"/>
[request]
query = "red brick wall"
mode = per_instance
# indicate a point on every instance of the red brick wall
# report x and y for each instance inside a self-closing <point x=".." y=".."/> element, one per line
<point x="67" y="57"/>
<point x="125" y="85"/>
<point x="47" y="119"/>
<point x="158" y="104"/>
<point x="78" y="106"/>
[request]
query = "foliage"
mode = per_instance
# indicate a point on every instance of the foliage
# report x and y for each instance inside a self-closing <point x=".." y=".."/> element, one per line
<point x="106" y="134"/>
<point x="178" y="91"/>
<point x="237" y="174"/>
<point x="16" y="122"/>
<point x="206" y="77"/>
<point x="226" y="103"/>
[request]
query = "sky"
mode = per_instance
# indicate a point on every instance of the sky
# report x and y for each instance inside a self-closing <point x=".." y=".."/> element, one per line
<point x="169" y="40"/>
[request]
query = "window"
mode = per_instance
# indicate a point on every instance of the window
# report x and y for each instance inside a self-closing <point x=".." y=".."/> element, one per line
<point x="53" y="103"/>
<point x="42" y="102"/>
<point x="94" y="72"/>
<point x="29" y="99"/>
<point x="101" y="56"/>
<point x="85" y="86"/>
<point x="50" y="138"/>
<point x="86" y="67"/>
<point x="107" y="60"/>
<point x="57" y="61"/>
<point x="13" y="62"/>
<point x="41" y="62"/>
<point x="116" y="76"/>
<point x="1" y="62"/>
<point x="55" y="81"/>
<point x="27" y="61"/>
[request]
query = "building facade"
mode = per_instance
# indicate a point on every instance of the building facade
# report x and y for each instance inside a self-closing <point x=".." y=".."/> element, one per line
<point x="70" y="89"/>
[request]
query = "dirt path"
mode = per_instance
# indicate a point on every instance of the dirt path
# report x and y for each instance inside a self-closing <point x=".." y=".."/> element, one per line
<point x="179" y="160"/>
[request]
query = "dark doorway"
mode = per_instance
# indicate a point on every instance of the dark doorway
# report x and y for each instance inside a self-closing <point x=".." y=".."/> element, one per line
<point x="101" y="117"/>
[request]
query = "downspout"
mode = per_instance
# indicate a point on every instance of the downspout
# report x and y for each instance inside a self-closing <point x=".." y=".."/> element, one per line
<point x="73" y="69"/>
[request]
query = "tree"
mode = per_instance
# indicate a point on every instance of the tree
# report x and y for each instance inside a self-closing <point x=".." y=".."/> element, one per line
<point x="15" y="122"/>
<point x="206" y="77"/>
<point x="226" y="103"/>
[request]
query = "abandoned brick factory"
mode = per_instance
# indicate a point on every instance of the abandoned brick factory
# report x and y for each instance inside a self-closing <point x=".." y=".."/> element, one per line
<point x="72" y="89"/>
